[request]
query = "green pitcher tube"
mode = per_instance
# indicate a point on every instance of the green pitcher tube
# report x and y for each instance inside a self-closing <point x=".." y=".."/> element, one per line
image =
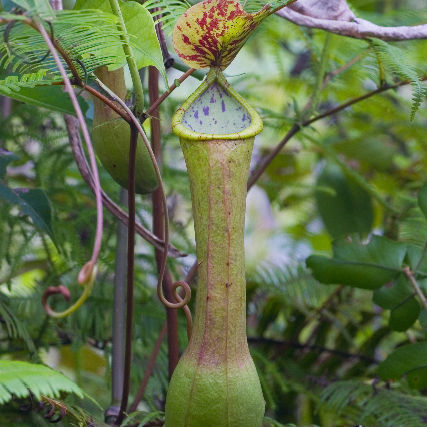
<point x="215" y="383"/>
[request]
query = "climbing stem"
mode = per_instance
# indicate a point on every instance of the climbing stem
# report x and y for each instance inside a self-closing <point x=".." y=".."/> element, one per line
<point x="133" y="68"/>
<point x="415" y="286"/>
<point x="158" y="221"/>
<point x="130" y="272"/>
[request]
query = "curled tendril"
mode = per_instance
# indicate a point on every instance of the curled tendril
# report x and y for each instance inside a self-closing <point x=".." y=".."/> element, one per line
<point x="86" y="277"/>
<point x="51" y="411"/>
<point x="12" y="51"/>
<point x="187" y="293"/>
<point x="86" y="74"/>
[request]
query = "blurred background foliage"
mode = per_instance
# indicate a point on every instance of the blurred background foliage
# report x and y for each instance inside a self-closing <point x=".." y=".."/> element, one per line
<point x="317" y="347"/>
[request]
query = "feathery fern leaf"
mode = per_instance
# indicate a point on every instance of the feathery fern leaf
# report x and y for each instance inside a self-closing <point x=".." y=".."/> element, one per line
<point x="338" y="395"/>
<point x="171" y="10"/>
<point x="393" y="57"/>
<point x="89" y="37"/>
<point x="14" y="327"/>
<point x="390" y="408"/>
<point x="293" y="284"/>
<point x="394" y="409"/>
<point x="29" y="80"/>
<point x="19" y="378"/>
<point x="253" y="6"/>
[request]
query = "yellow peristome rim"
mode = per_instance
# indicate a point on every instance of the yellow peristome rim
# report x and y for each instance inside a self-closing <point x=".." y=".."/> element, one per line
<point x="215" y="74"/>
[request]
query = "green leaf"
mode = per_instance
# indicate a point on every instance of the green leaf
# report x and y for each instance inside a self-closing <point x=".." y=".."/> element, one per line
<point x="374" y="151"/>
<point x="393" y="294"/>
<point x="51" y="97"/>
<point x="417" y="378"/>
<point x="5" y="158"/>
<point x="422" y="199"/>
<point x="20" y="377"/>
<point x="362" y="266"/>
<point x="394" y="58"/>
<point x="33" y="202"/>
<point x="403" y="360"/>
<point x="404" y="315"/>
<point x="91" y="36"/>
<point x="39" y="6"/>
<point x="140" y="27"/>
<point x="348" y="209"/>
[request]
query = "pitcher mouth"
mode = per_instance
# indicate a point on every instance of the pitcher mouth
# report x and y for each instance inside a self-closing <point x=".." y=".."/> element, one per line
<point x="186" y="123"/>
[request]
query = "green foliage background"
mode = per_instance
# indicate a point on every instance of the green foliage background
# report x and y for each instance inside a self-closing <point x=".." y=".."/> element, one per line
<point x="317" y="347"/>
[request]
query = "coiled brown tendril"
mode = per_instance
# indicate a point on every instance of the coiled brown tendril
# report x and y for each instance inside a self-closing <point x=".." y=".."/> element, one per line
<point x="86" y="277"/>
<point x="181" y="302"/>
<point x="50" y="411"/>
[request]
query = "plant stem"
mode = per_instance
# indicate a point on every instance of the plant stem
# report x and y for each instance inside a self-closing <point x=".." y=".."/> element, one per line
<point x="130" y="58"/>
<point x="180" y="66"/>
<point x="106" y="101"/>
<point x="119" y="304"/>
<point x="86" y="271"/>
<point x="154" y="105"/>
<point x="130" y="272"/>
<point x="158" y="225"/>
<point x="149" y="368"/>
<point x="415" y="286"/>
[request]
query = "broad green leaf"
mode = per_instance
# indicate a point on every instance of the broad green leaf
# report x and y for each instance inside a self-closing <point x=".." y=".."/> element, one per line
<point x="404" y="360"/>
<point x="51" y="97"/>
<point x="371" y="151"/>
<point x="393" y="294"/>
<point x="140" y="27"/>
<point x="7" y="5"/>
<point x="33" y="202"/>
<point x="422" y="199"/>
<point x="5" y="158"/>
<point x="404" y="315"/>
<point x="422" y="318"/>
<point x="40" y="6"/>
<point x="417" y="378"/>
<point x="21" y="377"/>
<point x="211" y="33"/>
<point x="356" y="274"/>
<point x="413" y="258"/>
<point x="362" y="266"/>
<point x="348" y="209"/>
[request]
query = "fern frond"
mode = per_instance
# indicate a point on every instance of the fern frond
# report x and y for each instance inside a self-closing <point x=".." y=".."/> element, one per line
<point x="390" y="408"/>
<point x="171" y="10"/>
<point x="339" y="395"/>
<point x="30" y="80"/>
<point x="253" y="6"/>
<point x="295" y="285"/>
<point x="88" y="36"/>
<point x="19" y="378"/>
<point x="14" y="327"/>
<point x="393" y="57"/>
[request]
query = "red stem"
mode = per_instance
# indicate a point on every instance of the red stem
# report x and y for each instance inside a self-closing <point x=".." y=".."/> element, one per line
<point x="130" y="273"/>
<point x="158" y="224"/>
